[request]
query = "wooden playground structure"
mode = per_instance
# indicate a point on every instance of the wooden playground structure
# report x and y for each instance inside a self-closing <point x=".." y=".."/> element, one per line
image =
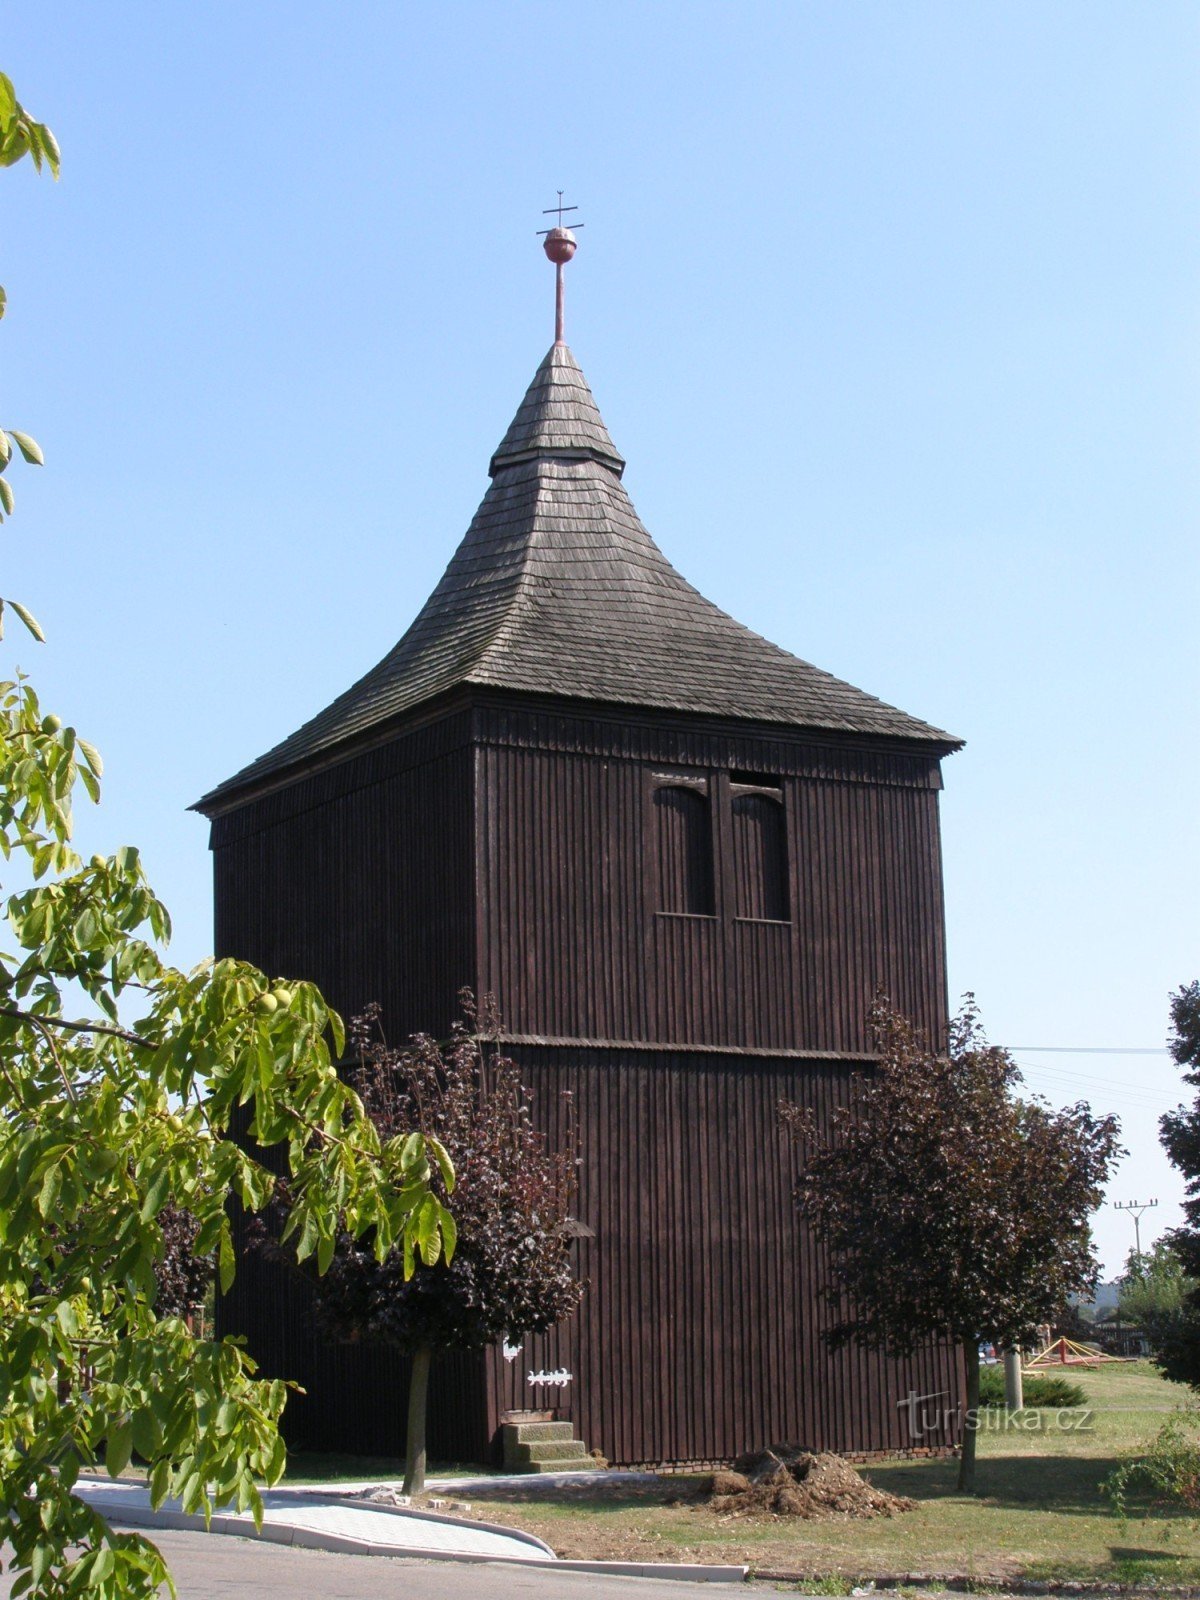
<point x="1066" y="1353"/>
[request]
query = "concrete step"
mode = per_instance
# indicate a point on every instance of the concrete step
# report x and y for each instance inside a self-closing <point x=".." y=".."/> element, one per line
<point x="550" y="1452"/>
<point x="535" y="1432"/>
<point x="542" y="1447"/>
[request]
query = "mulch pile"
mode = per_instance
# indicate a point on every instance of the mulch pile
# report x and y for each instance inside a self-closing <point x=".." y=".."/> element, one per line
<point x="789" y="1482"/>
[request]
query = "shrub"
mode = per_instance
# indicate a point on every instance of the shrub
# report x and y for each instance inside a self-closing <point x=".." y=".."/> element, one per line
<point x="1051" y="1393"/>
<point x="1169" y="1472"/>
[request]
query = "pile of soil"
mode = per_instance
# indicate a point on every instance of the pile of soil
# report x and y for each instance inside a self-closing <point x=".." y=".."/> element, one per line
<point x="789" y="1482"/>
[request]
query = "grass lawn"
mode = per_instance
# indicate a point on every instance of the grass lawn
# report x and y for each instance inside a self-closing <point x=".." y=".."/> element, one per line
<point x="1038" y="1513"/>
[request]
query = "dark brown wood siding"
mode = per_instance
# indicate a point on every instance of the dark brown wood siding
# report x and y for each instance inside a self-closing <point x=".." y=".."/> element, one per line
<point x="355" y="1395"/>
<point x="700" y="1333"/>
<point x="760" y="858"/>
<point x="587" y="865"/>
<point x="514" y="848"/>
<point x="361" y="879"/>
<point x="683" y="848"/>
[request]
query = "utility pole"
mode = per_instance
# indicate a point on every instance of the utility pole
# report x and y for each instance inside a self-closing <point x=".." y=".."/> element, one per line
<point x="1137" y="1208"/>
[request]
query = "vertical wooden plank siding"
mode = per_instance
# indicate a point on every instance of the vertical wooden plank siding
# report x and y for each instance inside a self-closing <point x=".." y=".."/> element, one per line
<point x="585" y="876"/>
<point x="760" y="858"/>
<point x="368" y="889"/>
<point x="700" y="1334"/>
<point x="523" y="849"/>
<point x="684" y="849"/>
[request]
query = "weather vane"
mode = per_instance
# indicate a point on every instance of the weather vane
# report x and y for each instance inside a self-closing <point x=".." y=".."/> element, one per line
<point x="559" y="244"/>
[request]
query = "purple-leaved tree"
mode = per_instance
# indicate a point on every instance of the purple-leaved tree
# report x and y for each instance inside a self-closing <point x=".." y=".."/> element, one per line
<point x="511" y="1271"/>
<point x="951" y="1208"/>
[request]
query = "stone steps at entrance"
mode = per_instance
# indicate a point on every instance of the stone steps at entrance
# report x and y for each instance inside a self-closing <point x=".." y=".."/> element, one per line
<point x="542" y="1447"/>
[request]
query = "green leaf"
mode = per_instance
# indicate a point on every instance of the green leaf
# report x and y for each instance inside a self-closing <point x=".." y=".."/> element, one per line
<point x="49" y="1191"/>
<point x="160" y="1482"/>
<point x="156" y="1192"/>
<point x="29" y="448"/>
<point x="147" y="1433"/>
<point x="8" y="102"/>
<point x="308" y="1237"/>
<point x="6" y="496"/>
<point x="449" y="1235"/>
<point x="5" y="450"/>
<point x="53" y="153"/>
<point x="442" y="1156"/>
<point x="92" y="756"/>
<point x="325" y="1251"/>
<point x="64" y="1311"/>
<point x="429" y="1233"/>
<point x="226" y="1260"/>
<point x="14" y="145"/>
<point x="27" y="617"/>
<point x="40" y="1559"/>
<point x="119" y="1448"/>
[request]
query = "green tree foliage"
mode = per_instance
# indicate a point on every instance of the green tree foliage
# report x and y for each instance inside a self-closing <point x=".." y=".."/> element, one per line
<point x="1153" y="1292"/>
<point x="1177" y="1340"/>
<point x="121" y="1079"/>
<point x="512" y="1272"/>
<point x="951" y="1208"/>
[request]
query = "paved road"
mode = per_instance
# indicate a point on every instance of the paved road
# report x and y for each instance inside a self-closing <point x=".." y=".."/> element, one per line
<point x="216" y="1567"/>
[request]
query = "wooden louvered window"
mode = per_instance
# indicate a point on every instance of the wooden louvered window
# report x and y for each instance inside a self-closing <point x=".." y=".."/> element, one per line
<point x="760" y="868"/>
<point x="685" y="853"/>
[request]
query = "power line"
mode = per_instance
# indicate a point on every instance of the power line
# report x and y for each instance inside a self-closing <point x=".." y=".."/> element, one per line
<point x="1089" y="1050"/>
<point x="1118" y="1087"/>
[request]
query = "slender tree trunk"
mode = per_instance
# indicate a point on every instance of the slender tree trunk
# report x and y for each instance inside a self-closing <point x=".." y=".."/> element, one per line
<point x="966" y="1460"/>
<point x="418" y="1391"/>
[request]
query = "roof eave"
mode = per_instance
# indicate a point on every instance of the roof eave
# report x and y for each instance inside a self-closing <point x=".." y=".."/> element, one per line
<point x="520" y="458"/>
<point x="232" y="794"/>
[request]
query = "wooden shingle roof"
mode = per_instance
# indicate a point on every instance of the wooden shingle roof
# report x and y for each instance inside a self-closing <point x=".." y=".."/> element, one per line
<point x="558" y="589"/>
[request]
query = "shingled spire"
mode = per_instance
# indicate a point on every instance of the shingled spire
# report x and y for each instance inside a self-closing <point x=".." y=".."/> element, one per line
<point x="557" y="589"/>
<point x="558" y="420"/>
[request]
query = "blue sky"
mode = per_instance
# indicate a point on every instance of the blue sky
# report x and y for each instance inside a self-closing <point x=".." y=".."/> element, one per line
<point x="891" y="306"/>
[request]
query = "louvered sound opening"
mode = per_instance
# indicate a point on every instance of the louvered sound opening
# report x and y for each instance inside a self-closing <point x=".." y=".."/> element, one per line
<point x="685" y="853"/>
<point x="760" y="858"/>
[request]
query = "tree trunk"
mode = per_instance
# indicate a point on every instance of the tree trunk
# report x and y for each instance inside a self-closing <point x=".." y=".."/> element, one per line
<point x="418" y="1390"/>
<point x="970" y="1429"/>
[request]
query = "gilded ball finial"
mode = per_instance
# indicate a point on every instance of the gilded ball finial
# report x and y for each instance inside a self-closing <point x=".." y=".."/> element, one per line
<point x="559" y="244"/>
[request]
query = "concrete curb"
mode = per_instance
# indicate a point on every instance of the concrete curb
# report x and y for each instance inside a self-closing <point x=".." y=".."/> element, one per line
<point x="299" y="1537"/>
<point x="419" y="1514"/>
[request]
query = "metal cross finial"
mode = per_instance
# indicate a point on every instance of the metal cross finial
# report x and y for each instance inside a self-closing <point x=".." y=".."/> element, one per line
<point x="559" y="244"/>
<point x="558" y="209"/>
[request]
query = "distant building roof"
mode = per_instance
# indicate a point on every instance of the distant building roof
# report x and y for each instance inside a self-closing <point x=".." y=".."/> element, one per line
<point x="558" y="589"/>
